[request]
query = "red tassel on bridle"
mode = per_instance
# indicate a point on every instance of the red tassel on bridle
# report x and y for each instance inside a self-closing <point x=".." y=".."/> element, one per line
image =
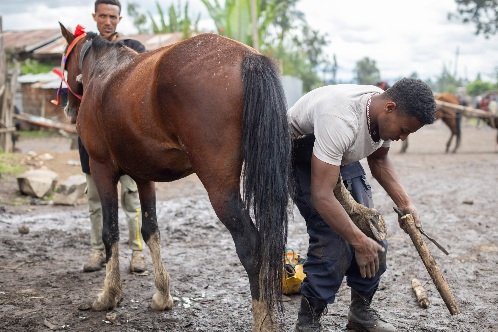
<point x="79" y="30"/>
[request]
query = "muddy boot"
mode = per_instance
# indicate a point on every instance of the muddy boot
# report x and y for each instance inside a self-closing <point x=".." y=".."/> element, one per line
<point x="362" y="317"/>
<point x="137" y="262"/>
<point x="95" y="261"/>
<point x="308" y="319"/>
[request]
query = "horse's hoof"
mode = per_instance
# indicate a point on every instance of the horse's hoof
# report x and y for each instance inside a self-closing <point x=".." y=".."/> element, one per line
<point x="103" y="303"/>
<point x="161" y="302"/>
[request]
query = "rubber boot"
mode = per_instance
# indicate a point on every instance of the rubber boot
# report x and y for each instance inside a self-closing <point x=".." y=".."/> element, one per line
<point x="137" y="262"/>
<point x="308" y="319"/>
<point x="95" y="261"/>
<point x="362" y="317"/>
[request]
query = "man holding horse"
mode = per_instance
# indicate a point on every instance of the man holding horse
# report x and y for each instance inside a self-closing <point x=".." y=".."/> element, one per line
<point x="107" y="16"/>
<point x="335" y="126"/>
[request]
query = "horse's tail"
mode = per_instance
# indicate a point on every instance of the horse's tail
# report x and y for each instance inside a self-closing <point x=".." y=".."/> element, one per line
<point x="266" y="149"/>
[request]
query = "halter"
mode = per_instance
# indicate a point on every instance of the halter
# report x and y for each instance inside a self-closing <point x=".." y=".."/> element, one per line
<point x="60" y="72"/>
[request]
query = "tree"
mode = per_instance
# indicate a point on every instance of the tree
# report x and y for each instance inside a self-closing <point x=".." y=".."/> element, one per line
<point x="482" y="13"/>
<point x="366" y="71"/>
<point x="478" y="86"/>
<point x="139" y="19"/>
<point x="177" y="20"/>
<point x="283" y="34"/>
<point x="234" y="18"/>
<point x="447" y="82"/>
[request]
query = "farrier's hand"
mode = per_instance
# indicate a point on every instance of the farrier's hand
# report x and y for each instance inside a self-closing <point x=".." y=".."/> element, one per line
<point x="410" y="209"/>
<point x="367" y="257"/>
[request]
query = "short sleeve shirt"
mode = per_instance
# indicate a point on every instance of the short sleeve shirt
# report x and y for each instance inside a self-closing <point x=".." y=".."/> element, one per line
<point x="337" y="116"/>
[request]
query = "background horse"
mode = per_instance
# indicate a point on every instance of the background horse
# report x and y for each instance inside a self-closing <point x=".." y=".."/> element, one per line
<point x="449" y="117"/>
<point x="208" y="105"/>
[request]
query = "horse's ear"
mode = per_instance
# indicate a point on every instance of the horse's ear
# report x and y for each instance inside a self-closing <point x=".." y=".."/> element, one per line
<point x="66" y="34"/>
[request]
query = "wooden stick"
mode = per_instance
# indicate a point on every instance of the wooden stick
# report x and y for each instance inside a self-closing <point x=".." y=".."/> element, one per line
<point x="7" y="130"/>
<point x="467" y="111"/>
<point x="44" y="122"/>
<point x="420" y="293"/>
<point x="408" y="225"/>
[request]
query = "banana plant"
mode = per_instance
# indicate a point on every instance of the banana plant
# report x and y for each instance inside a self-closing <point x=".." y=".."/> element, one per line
<point x="177" y="20"/>
<point x="233" y="18"/>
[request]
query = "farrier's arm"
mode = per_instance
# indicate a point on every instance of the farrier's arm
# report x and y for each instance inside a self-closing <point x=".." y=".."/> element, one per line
<point x="323" y="180"/>
<point x="383" y="171"/>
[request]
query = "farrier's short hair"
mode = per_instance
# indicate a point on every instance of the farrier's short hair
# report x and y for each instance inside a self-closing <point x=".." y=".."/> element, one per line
<point x="415" y="98"/>
<point x="108" y="2"/>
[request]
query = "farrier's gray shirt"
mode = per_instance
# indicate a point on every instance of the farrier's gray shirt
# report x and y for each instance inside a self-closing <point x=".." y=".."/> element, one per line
<point x="337" y="115"/>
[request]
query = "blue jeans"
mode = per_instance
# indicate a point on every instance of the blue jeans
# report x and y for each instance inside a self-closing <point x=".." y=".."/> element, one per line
<point x="330" y="257"/>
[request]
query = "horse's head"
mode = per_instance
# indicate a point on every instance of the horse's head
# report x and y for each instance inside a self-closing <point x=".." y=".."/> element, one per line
<point x="72" y="64"/>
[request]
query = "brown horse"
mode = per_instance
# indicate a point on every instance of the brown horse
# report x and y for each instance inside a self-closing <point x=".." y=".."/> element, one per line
<point x="208" y="105"/>
<point x="449" y="117"/>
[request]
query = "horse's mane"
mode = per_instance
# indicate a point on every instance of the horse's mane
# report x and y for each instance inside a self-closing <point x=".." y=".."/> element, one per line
<point x="112" y="55"/>
<point x="100" y="44"/>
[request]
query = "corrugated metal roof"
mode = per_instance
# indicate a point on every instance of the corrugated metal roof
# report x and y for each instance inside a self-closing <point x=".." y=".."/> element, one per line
<point x="29" y="40"/>
<point x="151" y="42"/>
<point x="43" y="81"/>
<point x="49" y="42"/>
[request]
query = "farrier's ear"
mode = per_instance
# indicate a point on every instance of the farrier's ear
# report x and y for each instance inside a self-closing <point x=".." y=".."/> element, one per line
<point x="390" y="106"/>
<point x="68" y="36"/>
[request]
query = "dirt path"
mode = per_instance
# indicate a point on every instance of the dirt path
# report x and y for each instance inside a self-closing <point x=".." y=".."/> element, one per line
<point x="42" y="286"/>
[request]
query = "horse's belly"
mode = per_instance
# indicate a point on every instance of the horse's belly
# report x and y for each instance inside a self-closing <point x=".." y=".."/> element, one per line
<point x="165" y="166"/>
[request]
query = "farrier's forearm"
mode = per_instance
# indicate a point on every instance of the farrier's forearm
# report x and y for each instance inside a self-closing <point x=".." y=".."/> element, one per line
<point x="383" y="171"/>
<point x="336" y="217"/>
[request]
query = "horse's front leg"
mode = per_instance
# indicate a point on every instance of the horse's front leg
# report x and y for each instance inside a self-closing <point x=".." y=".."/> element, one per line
<point x="162" y="299"/>
<point x="106" y="185"/>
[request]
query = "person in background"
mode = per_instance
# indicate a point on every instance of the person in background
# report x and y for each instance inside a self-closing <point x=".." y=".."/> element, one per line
<point x="107" y="16"/>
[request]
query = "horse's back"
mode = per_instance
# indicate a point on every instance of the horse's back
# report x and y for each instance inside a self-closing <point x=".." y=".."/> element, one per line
<point x="448" y="97"/>
<point x="177" y="102"/>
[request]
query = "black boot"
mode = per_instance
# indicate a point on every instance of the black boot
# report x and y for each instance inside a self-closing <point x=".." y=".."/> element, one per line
<point x="308" y="319"/>
<point x="362" y="317"/>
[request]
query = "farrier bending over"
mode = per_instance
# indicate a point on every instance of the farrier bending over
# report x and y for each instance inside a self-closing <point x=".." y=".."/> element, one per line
<point x="338" y="125"/>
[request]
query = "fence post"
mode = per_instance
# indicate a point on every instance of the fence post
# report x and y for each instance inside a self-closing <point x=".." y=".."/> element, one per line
<point x="8" y="85"/>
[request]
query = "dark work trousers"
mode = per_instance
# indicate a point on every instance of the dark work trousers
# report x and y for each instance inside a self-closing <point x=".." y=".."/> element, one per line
<point x="330" y="257"/>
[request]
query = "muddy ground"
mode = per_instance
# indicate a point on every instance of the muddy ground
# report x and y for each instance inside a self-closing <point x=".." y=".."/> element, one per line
<point x="42" y="286"/>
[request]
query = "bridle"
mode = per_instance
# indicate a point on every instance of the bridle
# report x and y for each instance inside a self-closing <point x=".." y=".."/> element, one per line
<point x="60" y="72"/>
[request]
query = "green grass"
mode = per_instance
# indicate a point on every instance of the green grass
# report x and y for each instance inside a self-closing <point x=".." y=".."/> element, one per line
<point x="36" y="133"/>
<point x="10" y="164"/>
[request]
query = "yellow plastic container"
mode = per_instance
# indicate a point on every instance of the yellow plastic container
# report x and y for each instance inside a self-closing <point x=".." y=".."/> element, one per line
<point x="293" y="272"/>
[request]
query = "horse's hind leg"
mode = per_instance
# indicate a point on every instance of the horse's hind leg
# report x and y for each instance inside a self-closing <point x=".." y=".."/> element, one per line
<point x="162" y="299"/>
<point x="448" y="144"/>
<point x="229" y="208"/>
<point x="457" y="143"/>
<point x="458" y="131"/>
<point x="112" y="292"/>
<point x="404" y="146"/>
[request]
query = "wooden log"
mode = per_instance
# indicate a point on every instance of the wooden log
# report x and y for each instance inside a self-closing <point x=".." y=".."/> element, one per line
<point x="408" y="225"/>
<point x="466" y="111"/>
<point x="420" y="293"/>
<point x="45" y="123"/>
<point x="7" y="130"/>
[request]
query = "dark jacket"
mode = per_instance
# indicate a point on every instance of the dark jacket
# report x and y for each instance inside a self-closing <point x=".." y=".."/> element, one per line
<point x="84" y="158"/>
